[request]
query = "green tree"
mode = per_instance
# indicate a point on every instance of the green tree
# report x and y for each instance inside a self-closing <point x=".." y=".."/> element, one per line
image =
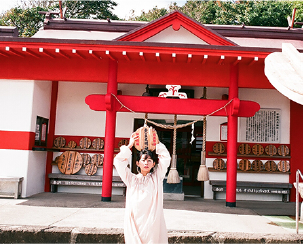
<point x="28" y="21"/>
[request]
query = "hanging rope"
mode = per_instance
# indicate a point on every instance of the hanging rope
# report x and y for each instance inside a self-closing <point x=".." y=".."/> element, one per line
<point x="172" y="127"/>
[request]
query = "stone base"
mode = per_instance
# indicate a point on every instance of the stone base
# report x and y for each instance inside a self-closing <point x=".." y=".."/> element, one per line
<point x="173" y="196"/>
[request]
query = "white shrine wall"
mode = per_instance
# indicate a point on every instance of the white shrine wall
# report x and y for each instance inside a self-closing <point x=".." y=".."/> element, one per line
<point x="24" y="101"/>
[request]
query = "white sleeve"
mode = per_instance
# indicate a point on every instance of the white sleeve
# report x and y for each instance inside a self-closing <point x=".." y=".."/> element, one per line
<point x="164" y="160"/>
<point x="121" y="161"/>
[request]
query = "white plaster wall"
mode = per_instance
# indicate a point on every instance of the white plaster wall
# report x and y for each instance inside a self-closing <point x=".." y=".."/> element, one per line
<point x="74" y="117"/>
<point x="16" y="99"/>
<point x="169" y="35"/>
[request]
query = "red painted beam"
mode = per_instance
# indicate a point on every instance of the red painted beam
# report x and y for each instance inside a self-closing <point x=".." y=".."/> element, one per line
<point x="160" y="105"/>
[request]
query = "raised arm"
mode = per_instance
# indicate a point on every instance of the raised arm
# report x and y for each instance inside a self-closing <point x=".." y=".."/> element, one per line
<point x="164" y="159"/>
<point x="122" y="160"/>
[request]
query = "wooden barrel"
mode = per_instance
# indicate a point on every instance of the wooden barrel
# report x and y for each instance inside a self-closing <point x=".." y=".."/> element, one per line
<point x="258" y="149"/>
<point x="271" y="150"/>
<point x="71" y="144"/>
<point x="85" y="143"/>
<point x="218" y="164"/>
<point x="69" y="162"/>
<point x="283" y="166"/>
<point x="91" y="169"/>
<point x="270" y="166"/>
<point x="218" y="148"/>
<point x="244" y="148"/>
<point x="147" y="138"/>
<point x="283" y="150"/>
<point x="97" y="160"/>
<point x="59" y="142"/>
<point x="98" y="143"/>
<point x="257" y="165"/>
<point x="86" y="158"/>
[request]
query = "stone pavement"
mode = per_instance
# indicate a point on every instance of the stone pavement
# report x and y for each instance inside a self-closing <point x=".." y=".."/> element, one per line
<point x="83" y="218"/>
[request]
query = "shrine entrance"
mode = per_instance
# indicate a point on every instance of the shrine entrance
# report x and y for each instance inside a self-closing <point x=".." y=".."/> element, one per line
<point x="188" y="155"/>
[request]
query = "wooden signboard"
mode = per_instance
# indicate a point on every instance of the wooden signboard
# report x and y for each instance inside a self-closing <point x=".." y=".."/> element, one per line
<point x="219" y="164"/>
<point x="218" y="148"/>
<point x="69" y="162"/>
<point x="98" y="143"/>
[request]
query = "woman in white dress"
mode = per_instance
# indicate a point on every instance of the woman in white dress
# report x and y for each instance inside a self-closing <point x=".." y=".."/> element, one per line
<point x="144" y="218"/>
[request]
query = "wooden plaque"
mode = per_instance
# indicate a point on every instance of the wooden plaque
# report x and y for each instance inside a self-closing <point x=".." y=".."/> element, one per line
<point x="59" y="142"/>
<point x="97" y="160"/>
<point x="123" y="142"/>
<point x="283" y="150"/>
<point x="244" y="165"/>
<point x="91" y="169"/>
<point x="218" y="148"/>
<point x="270" y="166"/>
<point x="98" y="143"/>
<point x="148" y="138"/>
<point x="72" y="144"/>
<point x="69" y="162"/>
<point x="85" y="143"/>
<point x="219" y="164"/>
<point x="283" y="166"/>
<point x="258" y="149"/>
<point x="86" y="158"/>
<point x="271" y="150"/>
<point x="257" y="165"/>
<point x="244" y="148"/>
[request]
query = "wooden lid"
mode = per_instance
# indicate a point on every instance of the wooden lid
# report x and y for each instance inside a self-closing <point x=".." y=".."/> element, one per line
<point x="270" y="166"/>
<point x="91" y="169"/>
<point x="70" y="162"/>
<point x="71" y="144"/>
<point x="244" y="148"/>
<point x="257" y="165"/>
<point x="86" y="158"/>
<point x="98" y="143"/>
<point x="59" y="142"/>
<point x="85" y="143"/>
<point x="218" y="148"/>
<point x="271" y="150"/>
<point x="148" y="138"/>
<point x="283" y="150"/>
<point x="219" y="164"/>
<point x="97" y="160"/>
<point x="258" y="149"/>
<point x="244" y="165"/>
<point x="123" y="142"/>
<point x="283" y="166"/>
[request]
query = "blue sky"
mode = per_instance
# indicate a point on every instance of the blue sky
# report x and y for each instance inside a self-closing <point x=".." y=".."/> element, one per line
<point x="122" y="10"/>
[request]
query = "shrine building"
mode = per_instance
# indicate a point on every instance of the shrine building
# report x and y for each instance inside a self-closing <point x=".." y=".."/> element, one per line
<point x="73" y="93"/>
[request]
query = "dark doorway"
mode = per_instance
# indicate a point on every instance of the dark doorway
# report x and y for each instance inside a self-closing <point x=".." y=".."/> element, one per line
<point x="188" y="155"/>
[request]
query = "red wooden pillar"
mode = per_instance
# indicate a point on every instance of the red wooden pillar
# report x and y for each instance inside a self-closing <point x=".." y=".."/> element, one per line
<point x="51" y="133"/>
<point x="232" y="128"/>
<point x="110" y="128"/>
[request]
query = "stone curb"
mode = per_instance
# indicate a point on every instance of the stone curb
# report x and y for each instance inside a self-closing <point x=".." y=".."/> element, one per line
<point x="46" y="234"/>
